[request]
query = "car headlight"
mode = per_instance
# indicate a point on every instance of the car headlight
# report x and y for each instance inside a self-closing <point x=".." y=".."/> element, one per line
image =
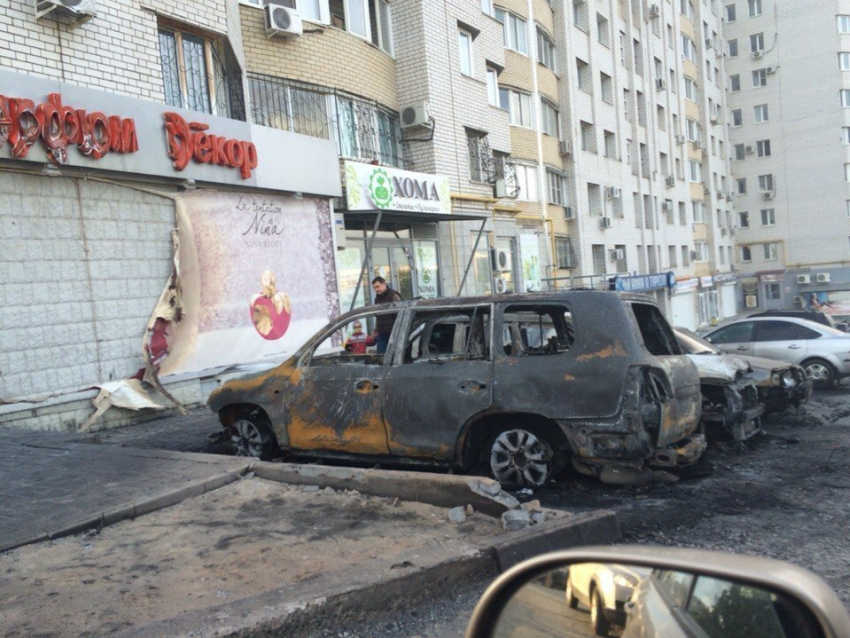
<point x="788" y="380"/>
<point x="624" y="581"/>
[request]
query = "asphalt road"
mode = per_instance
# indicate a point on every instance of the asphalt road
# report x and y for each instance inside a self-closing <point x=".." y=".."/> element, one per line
<point x="783" y="494"/>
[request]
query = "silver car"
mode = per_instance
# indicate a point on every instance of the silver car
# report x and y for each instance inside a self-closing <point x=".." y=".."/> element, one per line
<point x="823" y="352"/>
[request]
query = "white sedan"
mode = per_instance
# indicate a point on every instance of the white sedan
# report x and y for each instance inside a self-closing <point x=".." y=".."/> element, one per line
<point x="604" y="588"/>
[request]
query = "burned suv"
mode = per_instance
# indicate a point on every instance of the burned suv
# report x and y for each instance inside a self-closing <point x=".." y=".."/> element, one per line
<point x="514" y="385"/>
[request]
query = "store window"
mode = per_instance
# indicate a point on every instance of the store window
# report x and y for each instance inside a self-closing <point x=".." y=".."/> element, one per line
<point x="200" y="74"/>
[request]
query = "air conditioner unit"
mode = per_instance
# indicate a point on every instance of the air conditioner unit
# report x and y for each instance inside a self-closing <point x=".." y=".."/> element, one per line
<point x="709" y="44"/>
<point x="751" y="301"/>
<point x="768" y="195"/>
<point x="416" y="115"/>
<point x="579" y="1"/>
<point x="798" y="299"/>
<point x="282" y="21"/>
<point x="667" y="206"/>
<point x="569" y="213"/>
<point x="670" y="181"/>
<point x="500" y="188"/>
<point x="713" y="118"/>
<point x="617" y="254"/>
<point x="719" y="194"/>
<point x="770" y="70"/>
<point x="501" y="285"/>
<point x="654" y="11"/>
<point x="693" y="255"/>
<point x="756" y="55"/>
<point x="502" y="260"/>
<point x="566" y="147"/>
<point x="680" y="139"/>
<point x="79" y="10"/>
<point x="723" y="232"/>
<point x="660" y="84"/>
<point x="605" y="222"/>
<point x="749" y="150"/>
<point x="616" y="193"/>
<point x="696" y="143"/>
<point x="804" y="279"/>
<point x="822" y="278"/>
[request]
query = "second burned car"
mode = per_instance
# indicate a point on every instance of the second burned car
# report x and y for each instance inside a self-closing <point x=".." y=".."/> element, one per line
<point x="517" y="386"/>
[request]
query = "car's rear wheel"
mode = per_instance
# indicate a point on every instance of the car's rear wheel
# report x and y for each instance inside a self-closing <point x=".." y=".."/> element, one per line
<point x="820" y="371"/>
<point x="600" y="624"/>
<point x="520" y="458"/>
<point x="572" y="601"/>
<point x="253" y="437"/>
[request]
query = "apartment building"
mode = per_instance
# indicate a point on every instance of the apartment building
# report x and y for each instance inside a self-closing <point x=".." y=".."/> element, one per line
<point x="789" y="126"/>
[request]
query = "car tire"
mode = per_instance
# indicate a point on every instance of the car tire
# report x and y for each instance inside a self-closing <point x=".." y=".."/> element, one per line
<point x="572" y="601"/>
<point x="520" y="458"/>
<point x="820" y="371"/>
<point x="601" y="626"/>
<point x="253" y="437"/>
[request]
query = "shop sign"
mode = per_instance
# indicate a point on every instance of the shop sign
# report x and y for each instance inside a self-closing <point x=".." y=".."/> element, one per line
<point x="686" y="285"/>
<point x="370" y="187"/>
<point x="725" y="277"/>
<point x="772" y="278"/>
<point x="58" y="126"/>
<point x="706" y="282"/>
<point x="189" y="140"/>
<point x="640" y="283"/>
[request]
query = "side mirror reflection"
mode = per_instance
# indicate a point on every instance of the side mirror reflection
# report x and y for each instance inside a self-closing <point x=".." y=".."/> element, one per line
<point x="632" y="601"/>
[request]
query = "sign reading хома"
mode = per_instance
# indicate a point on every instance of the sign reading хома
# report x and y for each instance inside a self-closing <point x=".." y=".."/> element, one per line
<point x="370" y="187"/>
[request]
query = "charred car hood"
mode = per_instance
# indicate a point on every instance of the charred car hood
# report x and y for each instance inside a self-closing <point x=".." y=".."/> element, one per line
<point x="724" y="368"/>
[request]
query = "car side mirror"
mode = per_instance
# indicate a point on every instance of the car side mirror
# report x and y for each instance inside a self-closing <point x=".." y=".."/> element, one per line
<point x="659" y="592"/>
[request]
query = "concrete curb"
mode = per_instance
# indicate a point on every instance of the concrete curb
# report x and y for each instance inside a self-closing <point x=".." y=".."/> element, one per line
<point x="308" y="611"/>
<point x="134" y="509"/>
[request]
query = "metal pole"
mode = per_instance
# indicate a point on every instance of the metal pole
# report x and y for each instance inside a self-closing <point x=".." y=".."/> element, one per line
<point x="366" y="258"/>
<point x="472" y="256"/>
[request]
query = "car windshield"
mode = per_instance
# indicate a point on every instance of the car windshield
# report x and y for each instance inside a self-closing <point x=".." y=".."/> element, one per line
<point x="693" y="344"/>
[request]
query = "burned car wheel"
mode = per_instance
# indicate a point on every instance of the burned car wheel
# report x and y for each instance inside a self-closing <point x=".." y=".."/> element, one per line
<point x="254" y="438"/>
<point x="819" y="371"/>
<point x="520" y="458"/>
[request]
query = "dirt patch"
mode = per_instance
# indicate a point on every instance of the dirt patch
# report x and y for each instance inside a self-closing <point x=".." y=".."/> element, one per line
<point x="242" y="540"/>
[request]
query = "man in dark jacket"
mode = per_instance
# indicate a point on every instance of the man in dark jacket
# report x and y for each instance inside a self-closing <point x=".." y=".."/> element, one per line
<point x="383" y="323"/>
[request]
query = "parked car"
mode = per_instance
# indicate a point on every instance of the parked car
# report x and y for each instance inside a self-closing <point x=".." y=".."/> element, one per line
<point x="812" y="315"/>
<point x="823" y="352"/>
<point x="780" y="384"/>
<point x="516" y="385"/>
<point x="604" y="588"/>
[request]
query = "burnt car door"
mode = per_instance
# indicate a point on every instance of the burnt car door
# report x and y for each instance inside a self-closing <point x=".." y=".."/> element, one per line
<point x="440" y="378"/>
<point x="335" y="402"/>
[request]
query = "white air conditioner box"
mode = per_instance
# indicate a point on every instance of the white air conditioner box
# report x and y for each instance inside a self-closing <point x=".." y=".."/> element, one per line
<point x="756" y="55"/>
<point x="749" y="150"/>
<point x="767" y="195"/>
<point x="670" y="181"/>
<point x="798" y="299"/>
<point x="696" y="143"/>
<point x="605" y="222"/>
<point x="500" y="188"/>
<point x="660" y="84"/>
<point x="569" y="213"/>
<point x="804" y="279"/>
<point x="680" y="139"/>
<point x="823" y="278"/>
<point x="79" y="10"/>
<point x="613" y="192"/>
<point x="501" y="286"/>
<point x="770" y="70"/>
<point x="667" y="206"/>
<point x="415" y="115"/>
<point x="282" y="22"/>
<point x="709" y="44"/>
<point x="654" y="11"/>
<point x="503" y="262"/>
<point x="566" y="147"/>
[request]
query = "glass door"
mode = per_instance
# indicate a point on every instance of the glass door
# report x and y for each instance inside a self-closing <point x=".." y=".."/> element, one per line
<point x="402" y="271"/>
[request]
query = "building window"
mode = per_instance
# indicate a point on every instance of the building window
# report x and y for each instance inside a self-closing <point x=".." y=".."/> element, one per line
<point x="845" y="134"/>
<point x="737" y="117"/>
<point x="549" y="113"/>
<point x="740" y="151"/>
<point x="518" y="106"/>
<point x="693" y="130"/>
<point x="766" y="183"/>
<point x="610" y="141"/>
<point x="773" y="291"/>
<point x="741" y="184"/>
<point x="691" y="90"/>
<point x="597" y="251"/>
<point x="583" y="76"/>
<point x="698" y="209"/>
<point x="200" y="74"/>
<point x="754" y="7"/>
<point x="763" y="148"/>
<point x="602" y="30"/>
<point x="768" y="217"/>
<point x="694" y="171"/>
<point x="689" y="49"/>
<point x="735" y="83"/>
<point x="744" y="219"/>
<point x="760" y="113"/>
<point x="746" y="253"/>
<point x="843" y="22"/>
<point x="760" y="77"/>
<point x="844" y="61"/>
<point x="545" y="50"/>
<point x="526" y="181"/>
<point x="731" y="13"/>
<point x="580" y="15"/>
<point x="701" y="250"/>
<point x="480" y="157"/>
<point x="771" y="251"/>
<point x="588" y="141"/>
<point x="757" y="42"/>
<point x="465" y="43"/>
<point x="847" y="172"/>
<point x="556" y="188"/>
<point x="686" y="257"/>
<point x="564" y="252"/>
<point x="733" y="48"/>
<point x="492" y="87"/>
<point x="513" y="30"/>
<point x="606" y="87"/>
<point x="845" y="97"/>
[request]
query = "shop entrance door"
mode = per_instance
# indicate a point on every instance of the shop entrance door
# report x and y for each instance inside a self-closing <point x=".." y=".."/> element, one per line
<point x="391" y="260"/>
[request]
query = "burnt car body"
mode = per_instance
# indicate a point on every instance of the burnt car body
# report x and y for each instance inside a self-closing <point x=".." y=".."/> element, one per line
<point x="515" y="384"/>
<point x="781" y="385"/>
